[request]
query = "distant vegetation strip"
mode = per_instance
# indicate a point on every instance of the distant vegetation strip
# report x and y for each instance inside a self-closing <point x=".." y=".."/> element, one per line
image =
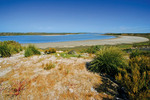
<point x="127" y="34"/>
<point x="147" y="35"/>
<point x="33" y="33"/>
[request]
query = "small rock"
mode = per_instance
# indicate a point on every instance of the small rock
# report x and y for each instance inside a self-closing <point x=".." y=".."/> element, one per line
<point x="71" y="90"/>
<point x="92" y="89"/>
<point x="104" y="93"/>
<point x="72" y="52"/>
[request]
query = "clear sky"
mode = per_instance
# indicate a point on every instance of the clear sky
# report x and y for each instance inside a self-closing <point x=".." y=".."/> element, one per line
<point x="75" y="16"/>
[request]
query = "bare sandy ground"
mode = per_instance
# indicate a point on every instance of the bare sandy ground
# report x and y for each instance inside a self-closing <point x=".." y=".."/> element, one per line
<point x="118" y="40"/>
<point x="24" y="78"/>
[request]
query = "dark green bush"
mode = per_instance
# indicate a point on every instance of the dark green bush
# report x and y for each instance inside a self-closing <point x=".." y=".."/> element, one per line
<point x="139" y="53"/>
<point x="31" y="50"/>
<point x="108" y="60"/>
<point x="5" y="51"/>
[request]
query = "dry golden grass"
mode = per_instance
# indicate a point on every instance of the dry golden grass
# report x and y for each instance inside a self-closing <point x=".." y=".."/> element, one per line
<point x="69" y="80"/>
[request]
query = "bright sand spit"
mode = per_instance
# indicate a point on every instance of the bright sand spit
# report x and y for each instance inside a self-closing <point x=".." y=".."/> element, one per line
<point x="118" y="40"/>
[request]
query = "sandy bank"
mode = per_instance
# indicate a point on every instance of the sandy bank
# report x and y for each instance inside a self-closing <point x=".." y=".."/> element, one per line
<point x="119" y="40"/>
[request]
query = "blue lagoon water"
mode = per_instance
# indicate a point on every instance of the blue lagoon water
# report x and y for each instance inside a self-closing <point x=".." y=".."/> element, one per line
<point x="59" y="38"/>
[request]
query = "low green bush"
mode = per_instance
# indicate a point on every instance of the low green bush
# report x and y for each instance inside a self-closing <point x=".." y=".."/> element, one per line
<point x="7" y="48"/>
<point x="66" y="55"/>
<point x="31" y="50"/>
<point x="108" y="60"/>
<point x="92" y="49"/>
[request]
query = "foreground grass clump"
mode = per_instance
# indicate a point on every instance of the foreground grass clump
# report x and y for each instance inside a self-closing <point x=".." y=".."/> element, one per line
<point x="50" y="50"/>
<point x="49" y="66"/>
<point x="7" y="48"/>
<point x="108" y="60"/>
<point x="31" y="50"/>
<point x="137" y="80"/>
<point x="16" y="87"/>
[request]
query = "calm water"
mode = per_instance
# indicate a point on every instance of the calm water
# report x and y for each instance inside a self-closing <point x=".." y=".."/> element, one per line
<point x="60" y="38"/>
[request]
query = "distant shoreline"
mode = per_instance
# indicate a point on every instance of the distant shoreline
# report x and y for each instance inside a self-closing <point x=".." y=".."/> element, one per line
<point x="113" y="41"/>
<point x="43" y="34"/>
<point x="56" y="35"/>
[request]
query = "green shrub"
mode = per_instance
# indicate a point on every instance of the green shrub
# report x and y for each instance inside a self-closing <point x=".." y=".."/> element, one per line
<point x="108" y="60"/>
<point x="137" y="82"/>
<point x="49" y="66"/>
<point x="9" y="47"/>
<point x="31" y="50"/>
<point x="5" y="51"/>
<point x="28" y="52"/>
<point x="50" y="50"/>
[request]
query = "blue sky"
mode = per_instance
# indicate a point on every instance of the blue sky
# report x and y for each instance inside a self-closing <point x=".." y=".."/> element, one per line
<point x="75" y="16"/>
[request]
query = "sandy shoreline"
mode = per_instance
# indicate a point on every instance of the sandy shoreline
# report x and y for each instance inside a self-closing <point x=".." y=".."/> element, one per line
<point x="118" y="40"/>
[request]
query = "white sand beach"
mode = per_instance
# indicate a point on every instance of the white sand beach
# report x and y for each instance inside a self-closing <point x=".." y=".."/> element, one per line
<point x="114" y="41"/>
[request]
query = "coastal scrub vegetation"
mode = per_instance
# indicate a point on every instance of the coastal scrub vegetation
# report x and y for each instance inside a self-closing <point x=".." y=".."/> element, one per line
<point x="7" y="48"/>
<point x="136" y="80"/>
<point x="31" y="50"/>
<point x="132" y="73"/>
<point x="131" y="70"/>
